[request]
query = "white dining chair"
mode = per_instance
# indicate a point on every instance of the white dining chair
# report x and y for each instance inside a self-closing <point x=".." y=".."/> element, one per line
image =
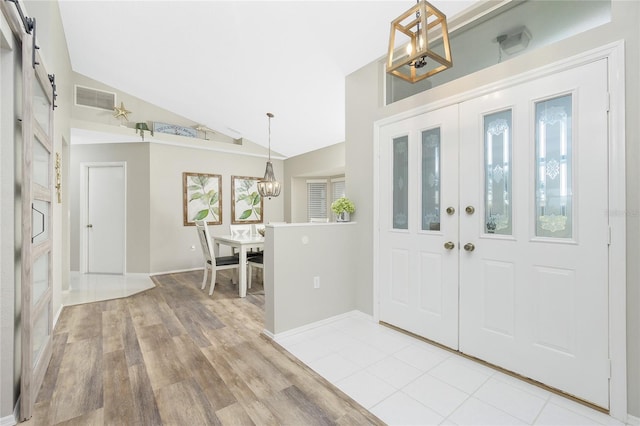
<point x="211" y="262"/>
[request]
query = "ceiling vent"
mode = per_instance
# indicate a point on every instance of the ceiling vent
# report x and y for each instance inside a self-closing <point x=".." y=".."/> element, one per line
<point x="95" y="98"/>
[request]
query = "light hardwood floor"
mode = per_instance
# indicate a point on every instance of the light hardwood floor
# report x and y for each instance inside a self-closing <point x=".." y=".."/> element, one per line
<point x="173" y="355"/>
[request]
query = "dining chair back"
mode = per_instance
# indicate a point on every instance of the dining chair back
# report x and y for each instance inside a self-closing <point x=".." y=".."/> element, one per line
<point x="211" y="262"/>
<point x="240" y="230"/>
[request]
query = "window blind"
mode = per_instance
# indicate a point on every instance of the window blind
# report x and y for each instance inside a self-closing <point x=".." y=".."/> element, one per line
<point x="316" y="199"/>
<point x="337" y="189"/>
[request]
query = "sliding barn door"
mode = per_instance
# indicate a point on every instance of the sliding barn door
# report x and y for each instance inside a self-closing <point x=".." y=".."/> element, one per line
<point x="36" y="276"/>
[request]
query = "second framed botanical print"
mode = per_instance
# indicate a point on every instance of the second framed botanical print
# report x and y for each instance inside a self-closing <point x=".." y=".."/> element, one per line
<point x="246" y="202"/>
<point x="202" y="198"/>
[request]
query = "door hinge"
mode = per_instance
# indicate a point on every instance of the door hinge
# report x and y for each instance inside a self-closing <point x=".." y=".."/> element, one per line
<point x="608" y="101"/>
<point x="609" y="236"/>
<point x="610" y="368"/>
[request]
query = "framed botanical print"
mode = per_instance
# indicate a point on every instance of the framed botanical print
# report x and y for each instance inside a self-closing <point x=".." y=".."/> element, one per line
<point x="202" y="198"/>
<point x="246" y="202"/>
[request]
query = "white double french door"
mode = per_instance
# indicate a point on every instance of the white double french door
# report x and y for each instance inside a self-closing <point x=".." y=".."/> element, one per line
<point x="494" y="229"/>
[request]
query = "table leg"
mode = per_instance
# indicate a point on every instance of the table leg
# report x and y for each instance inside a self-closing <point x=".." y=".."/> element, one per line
<point x="242" y="273"/>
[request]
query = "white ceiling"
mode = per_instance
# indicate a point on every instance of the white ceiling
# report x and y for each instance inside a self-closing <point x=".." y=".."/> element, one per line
<point x="225" y="64"/>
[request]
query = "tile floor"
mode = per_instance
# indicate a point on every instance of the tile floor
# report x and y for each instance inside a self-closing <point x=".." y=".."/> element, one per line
<point x="402" y="380"/>
<point x="405" y="381"/>
<point x="85" y="288"/>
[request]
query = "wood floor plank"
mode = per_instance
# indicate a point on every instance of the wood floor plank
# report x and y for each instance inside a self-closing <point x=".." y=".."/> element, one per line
<point x="131" y="344"/>
<point x="152" y="337"/>
<point x="164" y="367"/>
<point x="92" y="418"/>
<point x="87" y="322"/>
<point x="79" y="388"/>
<point x="234" y="414"/>
<point x="118" y="397"/>
<point x="183" y="403"/>
<point x="113" y="331"/>
<point x="204" y="373"/>
<point x="144" y="400"/>
<point x="59" y="343"/>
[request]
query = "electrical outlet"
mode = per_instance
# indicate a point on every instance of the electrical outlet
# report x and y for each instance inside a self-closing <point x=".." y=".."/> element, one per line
<point x="316" y="282"/>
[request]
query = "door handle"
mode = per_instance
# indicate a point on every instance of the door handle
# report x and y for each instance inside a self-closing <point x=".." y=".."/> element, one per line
<point x="450" y="210"/>
<point x="469" y="210"/>
<point x="449" y="245"/>
<point x="469" y="247"/>
<point x="89" y="226"/>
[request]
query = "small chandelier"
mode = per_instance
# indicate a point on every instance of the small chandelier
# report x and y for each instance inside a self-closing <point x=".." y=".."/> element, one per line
<point x="409" y="47"/>
<point x="269" y="186"/>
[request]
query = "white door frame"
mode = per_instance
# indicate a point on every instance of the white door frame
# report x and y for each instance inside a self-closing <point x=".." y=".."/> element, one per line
<point x="84" y="200"/>
<point x="614" y="53"/>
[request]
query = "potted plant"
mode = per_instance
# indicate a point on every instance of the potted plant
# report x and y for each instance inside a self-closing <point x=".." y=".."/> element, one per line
<point x="343" y="207"/>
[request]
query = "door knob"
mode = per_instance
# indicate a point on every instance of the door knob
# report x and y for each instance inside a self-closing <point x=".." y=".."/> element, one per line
<point x="89" y="226"/>
<point x="469" y="247"/>
<point x="469" y="210"/>
<point x="450" y="210"/>
<point x="449" y="245"/>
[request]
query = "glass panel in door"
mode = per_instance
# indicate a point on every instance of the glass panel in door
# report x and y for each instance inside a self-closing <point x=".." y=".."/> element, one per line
<point x="554" y="195"/>
<point x="41" y="106"/>
<point x="497" y="173"/>
<point x="401" y="182"/>
<point x="431" y="180"/>
<point x="41" y="162"/>
<point x="40" y="276"/>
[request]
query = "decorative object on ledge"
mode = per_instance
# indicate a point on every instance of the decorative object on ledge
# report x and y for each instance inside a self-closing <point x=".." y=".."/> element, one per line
<point x="58" y="178"/>
<point x="343" y="207"/>
<point x="246" y="202"/>
<point x="121" y="112"/>
<point x="174" y="129"/>
<point x="202" y="198"/>
<point x="269" y="186"/>
<point x="204" y="129"/>
<point x="408" y="53"/>
<point x="141" y="127"/>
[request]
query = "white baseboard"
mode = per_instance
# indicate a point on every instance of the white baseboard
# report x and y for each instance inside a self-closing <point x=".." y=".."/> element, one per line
<point x="8" y="420"/>
<point x="633" y="420"/>
<point x="177" y="271"/>
<point x="57" y="315"/>
<point x="351" y="314"/>
<point x="11" y="420"/>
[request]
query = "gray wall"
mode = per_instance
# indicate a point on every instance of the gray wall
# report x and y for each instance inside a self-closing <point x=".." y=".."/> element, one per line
<point x="170" y="241"/>
<point x="294" y="255"/>
<point x="322" y="163"/>
<point x="364" y="105"/>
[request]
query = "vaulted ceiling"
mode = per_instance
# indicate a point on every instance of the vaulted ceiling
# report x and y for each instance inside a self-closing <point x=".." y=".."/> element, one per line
<point x="225" y="64"/>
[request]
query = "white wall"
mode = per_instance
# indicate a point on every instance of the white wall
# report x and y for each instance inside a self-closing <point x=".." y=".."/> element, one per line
<point x="364" y="105"/>
<point x="294" y="255"/>
<point x="170" y="241"/>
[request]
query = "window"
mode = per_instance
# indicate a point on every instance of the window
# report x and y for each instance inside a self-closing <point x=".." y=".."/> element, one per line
<point x="316" y="199"/>
<point x="337" y="188"/>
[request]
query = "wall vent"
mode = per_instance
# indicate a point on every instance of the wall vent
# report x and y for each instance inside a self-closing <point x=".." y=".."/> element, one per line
<point x="94" y="98"/>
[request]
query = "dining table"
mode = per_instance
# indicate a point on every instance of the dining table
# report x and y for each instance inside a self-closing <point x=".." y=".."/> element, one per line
<point x="243" y="243"/>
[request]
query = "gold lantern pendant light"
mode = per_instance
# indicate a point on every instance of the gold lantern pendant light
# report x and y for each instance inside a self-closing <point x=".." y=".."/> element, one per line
<point x="269" y="186"/>
<point x="411" y="54"/>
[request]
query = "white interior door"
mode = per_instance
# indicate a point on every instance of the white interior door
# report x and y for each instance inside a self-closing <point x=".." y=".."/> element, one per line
<point x="531" y="217"/>
<point x="533" y="292"/>
<point x="105" y="224"/>
<point x="419" y="225"/>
